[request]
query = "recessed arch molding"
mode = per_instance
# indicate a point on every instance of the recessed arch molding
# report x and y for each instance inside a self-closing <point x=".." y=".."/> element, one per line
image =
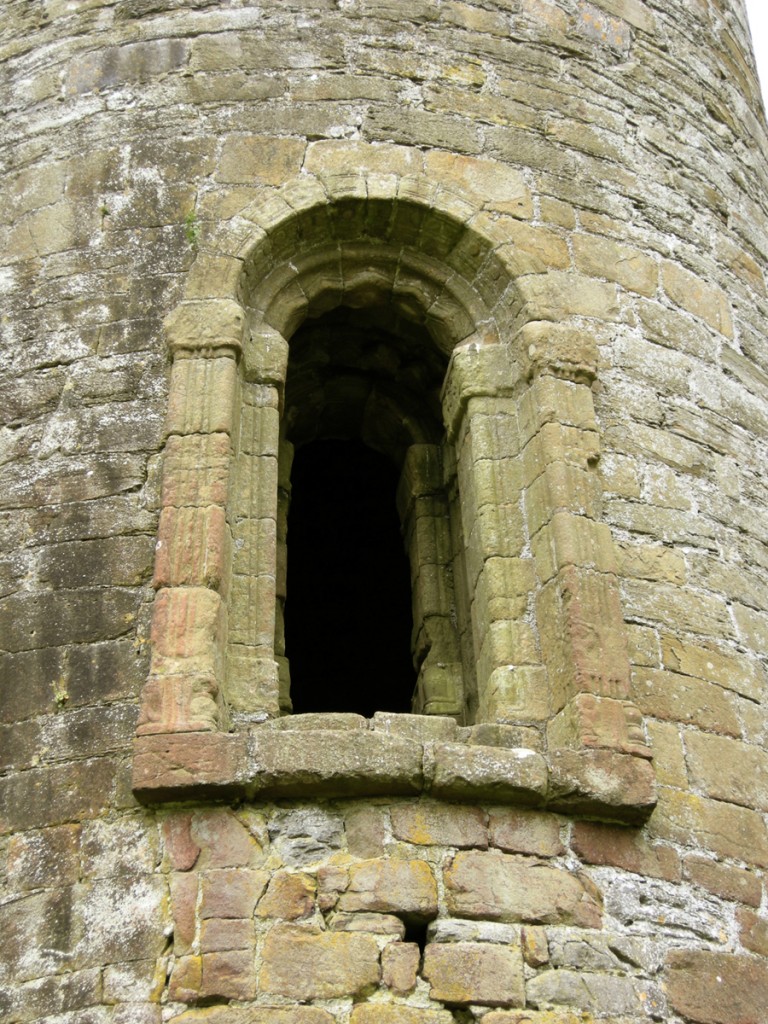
<point x="519" y="637"/>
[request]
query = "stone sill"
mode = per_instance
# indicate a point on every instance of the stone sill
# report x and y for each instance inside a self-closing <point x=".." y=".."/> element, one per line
<point x="408" y="755"/>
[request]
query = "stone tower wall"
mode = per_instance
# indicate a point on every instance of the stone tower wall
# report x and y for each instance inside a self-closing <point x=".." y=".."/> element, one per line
<point x="585" y="184"/>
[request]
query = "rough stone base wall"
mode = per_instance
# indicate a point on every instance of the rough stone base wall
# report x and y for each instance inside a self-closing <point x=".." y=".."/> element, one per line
<point x="379" y="911"/>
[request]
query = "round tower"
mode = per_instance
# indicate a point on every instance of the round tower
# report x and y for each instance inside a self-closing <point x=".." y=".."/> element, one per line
<point x="384" y="593"/>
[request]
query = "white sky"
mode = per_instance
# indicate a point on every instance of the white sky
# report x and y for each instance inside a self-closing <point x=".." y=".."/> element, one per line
<point x="758" y="23"/>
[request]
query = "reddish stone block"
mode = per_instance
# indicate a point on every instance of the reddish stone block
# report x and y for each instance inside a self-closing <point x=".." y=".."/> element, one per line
<point x="399" y="966"/>
<point x="475" y="972"/>
<point x="289" y="896"/>
<point x="190" y="763"/>
<point x="753" y="932"/>
<point x="231" y="892"/>
<point x="302" y="964"/>
<point x="186" y="980"/>
<point x="498" y="887"/>
<point x="183" y="909"/>
<point x="609" y="844"/>
<point x="180" y="848"/>
<point x="717" y="988"/>
<point x="520" y="831"/>
<point x="225" y="841"/>
<point x="192" y="546"/>
<point x="391" y="886"/>
<point x="431" y="824"/>
<point x="220" y="935"/>
<point x="229" y="975"/>
<point x="731" y="883"/>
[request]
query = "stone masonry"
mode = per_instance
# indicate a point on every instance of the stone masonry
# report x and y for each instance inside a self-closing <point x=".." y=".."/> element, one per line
<point x="519" y="248"/>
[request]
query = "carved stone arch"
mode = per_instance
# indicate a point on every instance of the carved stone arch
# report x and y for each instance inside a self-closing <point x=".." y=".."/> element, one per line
<point x="539" y="621"/>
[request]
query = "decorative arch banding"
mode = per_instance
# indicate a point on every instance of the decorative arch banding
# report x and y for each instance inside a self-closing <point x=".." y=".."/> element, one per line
<point x="527" y="653"/>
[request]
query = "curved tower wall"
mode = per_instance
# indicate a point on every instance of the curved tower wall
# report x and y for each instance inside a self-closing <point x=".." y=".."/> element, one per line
<point x="568" y="199"/>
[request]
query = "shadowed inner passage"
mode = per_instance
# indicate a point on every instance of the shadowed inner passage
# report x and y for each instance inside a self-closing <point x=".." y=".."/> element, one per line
<point x="348" y="611"/>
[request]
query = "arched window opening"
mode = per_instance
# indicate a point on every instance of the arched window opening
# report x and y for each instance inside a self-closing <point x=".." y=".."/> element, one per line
<point x="348" y="608"/>
<point x="365" y="610"/>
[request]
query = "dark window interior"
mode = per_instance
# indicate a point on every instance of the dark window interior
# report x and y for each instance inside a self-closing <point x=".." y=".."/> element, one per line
<point x="348" y="610"/>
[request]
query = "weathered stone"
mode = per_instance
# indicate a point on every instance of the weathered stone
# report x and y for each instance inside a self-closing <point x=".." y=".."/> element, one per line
<point x="606" y="844"/>
<point x="391" y="886"/>
<point x="399" y="966"/>
<point x="593" y="992"/>
<point x="731" y="883"/>
<point x="490" y="773"/>
<point x="289" y="896"/>
<point x="720" y="828"/>
<point x="728" y="769"/>
<point x="516" y="831"/>
<point x="231" y="892"/>
<point x="433" y="824"/>
<point x="500" y="887"/>
<point x="478" y="973"/>
<point x="360" y="921"/>
<point x="387" y="1013"/>
<point x="716" y="988"/>
<point x="46" y="858"/>
<point x="304" y="965"/>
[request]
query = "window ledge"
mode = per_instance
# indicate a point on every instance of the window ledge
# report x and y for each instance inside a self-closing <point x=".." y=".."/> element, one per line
<point x="390" y="755"/>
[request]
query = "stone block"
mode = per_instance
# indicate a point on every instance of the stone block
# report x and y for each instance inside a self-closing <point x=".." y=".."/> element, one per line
<point x="716" y="988"/>
<point x="487" y="773"/>
<point x="693" y="294"/>
<point x="596" y="993"/>
<point x="532" y="832"/>
<point x="514" y="693"/>
<point x="228" y="975"/>
<point x="56" y="795"/>
<point x="219" y="935"/>
<point x="399" y="966"/>
<point x="398" y="1013"/>
<point x="196" y="470"/>
<point x="201" y="396"/>
<point x="352" y="762"/>
<point x="255" y="1015"/>
<point x="685" y="699"/>
<point x="290" y="896"/>
<point x="231" y="892"/>
<point x="561" y="350"/>
<point x="720" y="828"/>
<point x="724" y="880"/>
<point x="590" y="721"/>
<point x="302" y="964"/>
<point x="44" y="858"/>
<point x="192" y="547"/>
<point x="558" y="295"/>
<point x="436" y="824"/>
<point x="482" y="974"/>
<point x="727" y="769"/>
<point x="391" y="886"/>
<point x="374" y="924"/>
<point x="602" y="783"/>
<point x="184" y="894"/>
<point x="534" y="946"/>
<point x="598" y="256"/>
<point x="224" y="840"/>
<point x="500" y="887"/>
<point x="608" y="844"/>
<point x="207" y="324"/>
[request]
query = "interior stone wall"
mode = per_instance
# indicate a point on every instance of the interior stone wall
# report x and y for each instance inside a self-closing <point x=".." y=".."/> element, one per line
<point x="616" y="150"/>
